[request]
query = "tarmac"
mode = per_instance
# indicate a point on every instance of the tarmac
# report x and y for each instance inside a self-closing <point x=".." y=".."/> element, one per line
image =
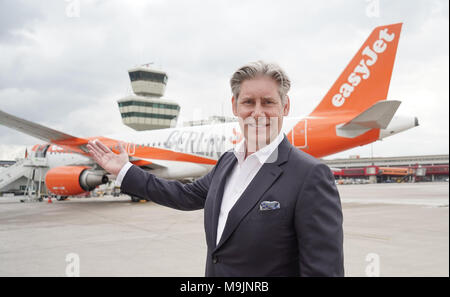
<point x="389" y="230"/>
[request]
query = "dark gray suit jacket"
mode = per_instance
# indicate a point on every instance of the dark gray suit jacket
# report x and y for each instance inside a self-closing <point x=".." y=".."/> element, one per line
<point x="304" y="237"/>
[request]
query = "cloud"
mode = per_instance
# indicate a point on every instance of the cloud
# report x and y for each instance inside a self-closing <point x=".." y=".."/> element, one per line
<point x="67" y="73"/>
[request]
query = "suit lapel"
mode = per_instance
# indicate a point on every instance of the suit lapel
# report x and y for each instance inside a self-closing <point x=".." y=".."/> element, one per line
<point x="217" y="199"/>
<point x="263" y="180"/>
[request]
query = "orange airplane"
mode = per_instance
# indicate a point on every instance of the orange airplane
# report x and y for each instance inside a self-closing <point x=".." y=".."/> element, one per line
<point x="353" y="113"/>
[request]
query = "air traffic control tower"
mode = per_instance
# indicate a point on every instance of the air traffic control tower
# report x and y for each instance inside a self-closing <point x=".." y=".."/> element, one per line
<point x="145" y="109"/>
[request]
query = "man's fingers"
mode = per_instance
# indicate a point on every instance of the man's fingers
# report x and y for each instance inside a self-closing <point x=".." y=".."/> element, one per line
<point x="92" y="152"/>
<point x="96" y="155"/>
<point x="101" y="146"/>
<point x="92" y="147"/>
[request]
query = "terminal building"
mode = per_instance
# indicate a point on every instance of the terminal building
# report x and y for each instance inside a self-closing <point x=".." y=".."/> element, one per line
<point x="392" y="169"/>
<point x="146" y="109"/>
<point x="210" y="121"/>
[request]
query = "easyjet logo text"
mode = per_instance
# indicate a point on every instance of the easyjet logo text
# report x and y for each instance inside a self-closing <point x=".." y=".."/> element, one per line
<point x="362" y="70"/>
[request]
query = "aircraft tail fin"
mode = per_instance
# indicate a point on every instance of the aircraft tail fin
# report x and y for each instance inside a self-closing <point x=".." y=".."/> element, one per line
<point x="366" y="78"/>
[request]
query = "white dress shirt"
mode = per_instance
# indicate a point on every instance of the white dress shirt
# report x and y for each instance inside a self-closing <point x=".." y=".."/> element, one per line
<point x="240" y="177"/>
<point x="122" y="173"/>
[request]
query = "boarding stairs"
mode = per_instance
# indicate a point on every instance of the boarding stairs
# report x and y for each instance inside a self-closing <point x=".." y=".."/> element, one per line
<point x="23" y="167"/>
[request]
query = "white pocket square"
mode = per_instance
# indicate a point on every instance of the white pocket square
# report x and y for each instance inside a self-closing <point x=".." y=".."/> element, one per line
<point x="269" y="205"/>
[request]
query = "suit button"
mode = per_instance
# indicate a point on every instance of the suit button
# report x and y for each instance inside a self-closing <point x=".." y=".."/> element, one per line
<point x="215" y="260"/>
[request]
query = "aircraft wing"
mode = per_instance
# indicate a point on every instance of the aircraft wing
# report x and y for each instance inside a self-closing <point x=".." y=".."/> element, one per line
<point x="42" y="132"/>
<point x="75" y="144"/>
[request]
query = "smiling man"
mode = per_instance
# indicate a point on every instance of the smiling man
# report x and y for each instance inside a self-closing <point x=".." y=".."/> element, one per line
<point x="261" y="107"/>
<point x="269" y="208"/>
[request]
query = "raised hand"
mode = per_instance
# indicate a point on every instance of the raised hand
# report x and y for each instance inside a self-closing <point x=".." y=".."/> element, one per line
<point x="106" y="158"/>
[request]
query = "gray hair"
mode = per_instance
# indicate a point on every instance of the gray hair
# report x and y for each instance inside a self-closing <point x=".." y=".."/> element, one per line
<point x="261" y="68"/>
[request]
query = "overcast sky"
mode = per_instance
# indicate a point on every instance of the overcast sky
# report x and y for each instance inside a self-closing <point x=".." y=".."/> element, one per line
<point x="63" y="63"/>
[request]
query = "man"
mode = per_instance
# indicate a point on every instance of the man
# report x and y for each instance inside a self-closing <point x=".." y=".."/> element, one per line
<point x="269" y="208"/>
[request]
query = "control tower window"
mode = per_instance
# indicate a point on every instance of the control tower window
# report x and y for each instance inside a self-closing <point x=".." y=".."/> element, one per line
<point x="148" y="104"/>
<point x="148" y="76"/>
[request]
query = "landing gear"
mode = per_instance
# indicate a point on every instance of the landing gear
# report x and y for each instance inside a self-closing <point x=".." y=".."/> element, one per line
<point x="135" y="199"/>
<point x="138" y="199"/>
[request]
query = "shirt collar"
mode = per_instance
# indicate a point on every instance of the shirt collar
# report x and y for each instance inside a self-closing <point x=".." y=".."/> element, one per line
<point x="262" y="154"/>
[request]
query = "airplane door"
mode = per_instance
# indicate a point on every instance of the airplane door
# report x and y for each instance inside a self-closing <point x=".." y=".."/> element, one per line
<point x="45" y="149"/>
<point x="42" y="151"/>
<point x="131" y="149"/>
<point x="300" y="135"/>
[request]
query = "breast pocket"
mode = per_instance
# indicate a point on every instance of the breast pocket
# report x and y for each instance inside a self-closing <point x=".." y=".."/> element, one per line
<point x="269" y="216"/>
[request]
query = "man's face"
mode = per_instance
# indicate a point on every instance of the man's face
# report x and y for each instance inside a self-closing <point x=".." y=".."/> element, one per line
<point x="260" y="111"/>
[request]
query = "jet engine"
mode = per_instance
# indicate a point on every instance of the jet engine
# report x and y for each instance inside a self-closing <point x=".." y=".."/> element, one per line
<point x="73" y="180"/>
